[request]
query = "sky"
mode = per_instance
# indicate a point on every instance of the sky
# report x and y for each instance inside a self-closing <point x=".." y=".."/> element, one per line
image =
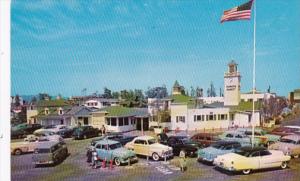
<point x="62" y="47"/>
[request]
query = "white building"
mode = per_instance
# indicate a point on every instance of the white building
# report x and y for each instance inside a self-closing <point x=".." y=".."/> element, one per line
<point x="232" y="110"/>
<point x="101" y="102"/>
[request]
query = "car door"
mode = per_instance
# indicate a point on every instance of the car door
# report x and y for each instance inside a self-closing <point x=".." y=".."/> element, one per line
<point x="267" y="160"/>
<point x="172" y="142"/>
<point x="253" y="160"/>
<point x="138" y="146"/>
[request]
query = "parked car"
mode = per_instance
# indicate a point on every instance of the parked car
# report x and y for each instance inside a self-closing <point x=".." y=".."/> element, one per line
<point x="216" y="149"/>
<point x="17" y="134"/>
<point x="56" y="128"/>
<point x="113" y="150"/>
<point x="28" y="128"/>
<point x="205" y="139"/>
<point x="66" y="132"/>
<point x="247" y="159"/>
<point x="284" y="131"/>
<point x="182" y="145"/>
<point x="259" y="133"/>
<point x="49" y="153"/>
<point x="290" y="145"/>
<point x="18" y="148"/>
<point x="85" y="132"/>
<point x="242" y="138"/>
<point x="47" y="135"/>
<point x="147" y="146"/>
<point x="21" y="130"/>
<point x="111" y="136"/>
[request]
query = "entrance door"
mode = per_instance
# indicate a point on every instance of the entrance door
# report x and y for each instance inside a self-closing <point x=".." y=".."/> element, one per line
<point x="85" y="121"/>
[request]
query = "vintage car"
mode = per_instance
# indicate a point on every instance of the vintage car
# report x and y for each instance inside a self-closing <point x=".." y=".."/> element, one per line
<point x="247" y="159"/>
<point x="205" y="139"/>
<point x="113" y="150"/>
<point x="182" y="145"/>
<point x="26" y="128"/>
<point x="242" y="138"/>
<point x="147" y="146"/>
<point x="84" y="132"/>
<point x="47" y="135"/>
<point x="259" y="133"/>
<point x="50" y="153"/>
<point x="284" y="131"/>
<point x="18" y="148"/>
<point x="290" y="145"/>
<point x="219" y="148"/>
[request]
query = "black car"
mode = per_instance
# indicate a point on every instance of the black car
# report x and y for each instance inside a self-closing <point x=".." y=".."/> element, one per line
<point x="66" y="133"/>
<point x="30" y="128"/>
<point x="16" y="134"/>
<point x="182" y="146"/>
<point x="84" y="132"/>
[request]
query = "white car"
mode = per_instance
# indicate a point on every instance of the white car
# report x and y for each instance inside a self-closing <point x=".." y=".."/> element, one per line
<point x="46" y="135"/>
<point x="148" y="146"/>
<point x="247" y="159"/>
<point x="290" y="145"/>
<point x="54" y="128"/>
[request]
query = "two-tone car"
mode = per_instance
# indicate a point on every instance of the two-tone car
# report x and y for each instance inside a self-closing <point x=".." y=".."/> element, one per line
<point x="262" y="135"/>
<point x="111" y="150"/>
<point x="84" y="132"/>
<point x="49" y="153"/>
<point x="240" y="137"/>
<point x="290" y="145"/>
<point x="247" y="159"/>
<point x="219" y="148"/>
<point x="148" y="146"/>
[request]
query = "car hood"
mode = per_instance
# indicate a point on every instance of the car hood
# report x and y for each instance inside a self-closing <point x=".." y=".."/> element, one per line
<point x="210" y="150"/>
<point x="160" y="146"/>
<point x="123" y="152"/>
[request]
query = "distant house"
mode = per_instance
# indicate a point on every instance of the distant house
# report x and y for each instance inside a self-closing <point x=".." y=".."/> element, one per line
<point x="48" y="112"/>
<point x="121" y="119"/>
<point x="101" y="102"/>
<point x="294" y="96"/>
<point x="79" y="115"/>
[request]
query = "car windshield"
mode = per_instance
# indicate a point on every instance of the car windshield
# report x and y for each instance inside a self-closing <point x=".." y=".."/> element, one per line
<point x="115" y="146"/>
<point x="217" y="146"/>
<point x="284" y="140"/>
<point x="242" y="152"/>
<point x="50" y="126"/>
<point x="151" y="141"/>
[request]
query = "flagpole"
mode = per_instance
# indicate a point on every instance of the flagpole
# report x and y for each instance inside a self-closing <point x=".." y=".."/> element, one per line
<point x="254" y="62"/>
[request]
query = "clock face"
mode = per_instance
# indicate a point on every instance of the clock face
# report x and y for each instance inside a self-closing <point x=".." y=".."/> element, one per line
<point x="230" y="80"/>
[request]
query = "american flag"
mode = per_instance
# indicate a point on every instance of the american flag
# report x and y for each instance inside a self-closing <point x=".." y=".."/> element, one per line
<point x="242" y="12"/>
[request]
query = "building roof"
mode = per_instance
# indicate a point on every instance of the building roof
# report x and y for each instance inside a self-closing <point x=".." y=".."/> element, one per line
<point x="103" y="100"/>
<point x="214" y="105"/>
<point x="181" y="99"/>
<point x="246" y="106"/>
<point x="120" y="111"/>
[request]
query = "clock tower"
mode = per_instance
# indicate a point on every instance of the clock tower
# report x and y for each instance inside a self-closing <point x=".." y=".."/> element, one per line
<point x="232" y="85"/>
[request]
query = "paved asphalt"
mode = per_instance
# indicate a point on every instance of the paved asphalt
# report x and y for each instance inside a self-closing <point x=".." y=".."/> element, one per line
<point x="75" y="167"/>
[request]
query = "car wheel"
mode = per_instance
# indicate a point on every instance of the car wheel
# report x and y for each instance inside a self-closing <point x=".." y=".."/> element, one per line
<point x="182" y="153"/>
<point x="246" y="172"/>
<point x="18" y="152"/>
<point x="117" y="162"/>
<point x="155" y="157"/>
<point x="283" y="165"/>
<point x="84" y="137"/>
<point x="296" y="156"/>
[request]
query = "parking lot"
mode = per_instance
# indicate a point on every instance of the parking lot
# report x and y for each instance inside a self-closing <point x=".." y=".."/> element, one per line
<point x="75" y="167"/>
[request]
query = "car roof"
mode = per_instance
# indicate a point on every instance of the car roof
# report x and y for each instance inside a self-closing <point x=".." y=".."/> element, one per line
<point x="144" y="137"/>
<point x="206" y="134"/>
<point x="107" y="142"/>
<point x="292" y="137"/>
<point x="225" y="143"/>
<point x="46" y="144"/>
<point x="252" y="149"/>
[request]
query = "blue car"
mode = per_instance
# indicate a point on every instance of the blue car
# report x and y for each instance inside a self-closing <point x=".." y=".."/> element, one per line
<point x="219" y="148"/>
<point x="112" y="150"/>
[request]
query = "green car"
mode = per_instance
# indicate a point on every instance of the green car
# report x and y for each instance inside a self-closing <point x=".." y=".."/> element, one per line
<point x="110" y="150"/>
<point x="266" y="138"/>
